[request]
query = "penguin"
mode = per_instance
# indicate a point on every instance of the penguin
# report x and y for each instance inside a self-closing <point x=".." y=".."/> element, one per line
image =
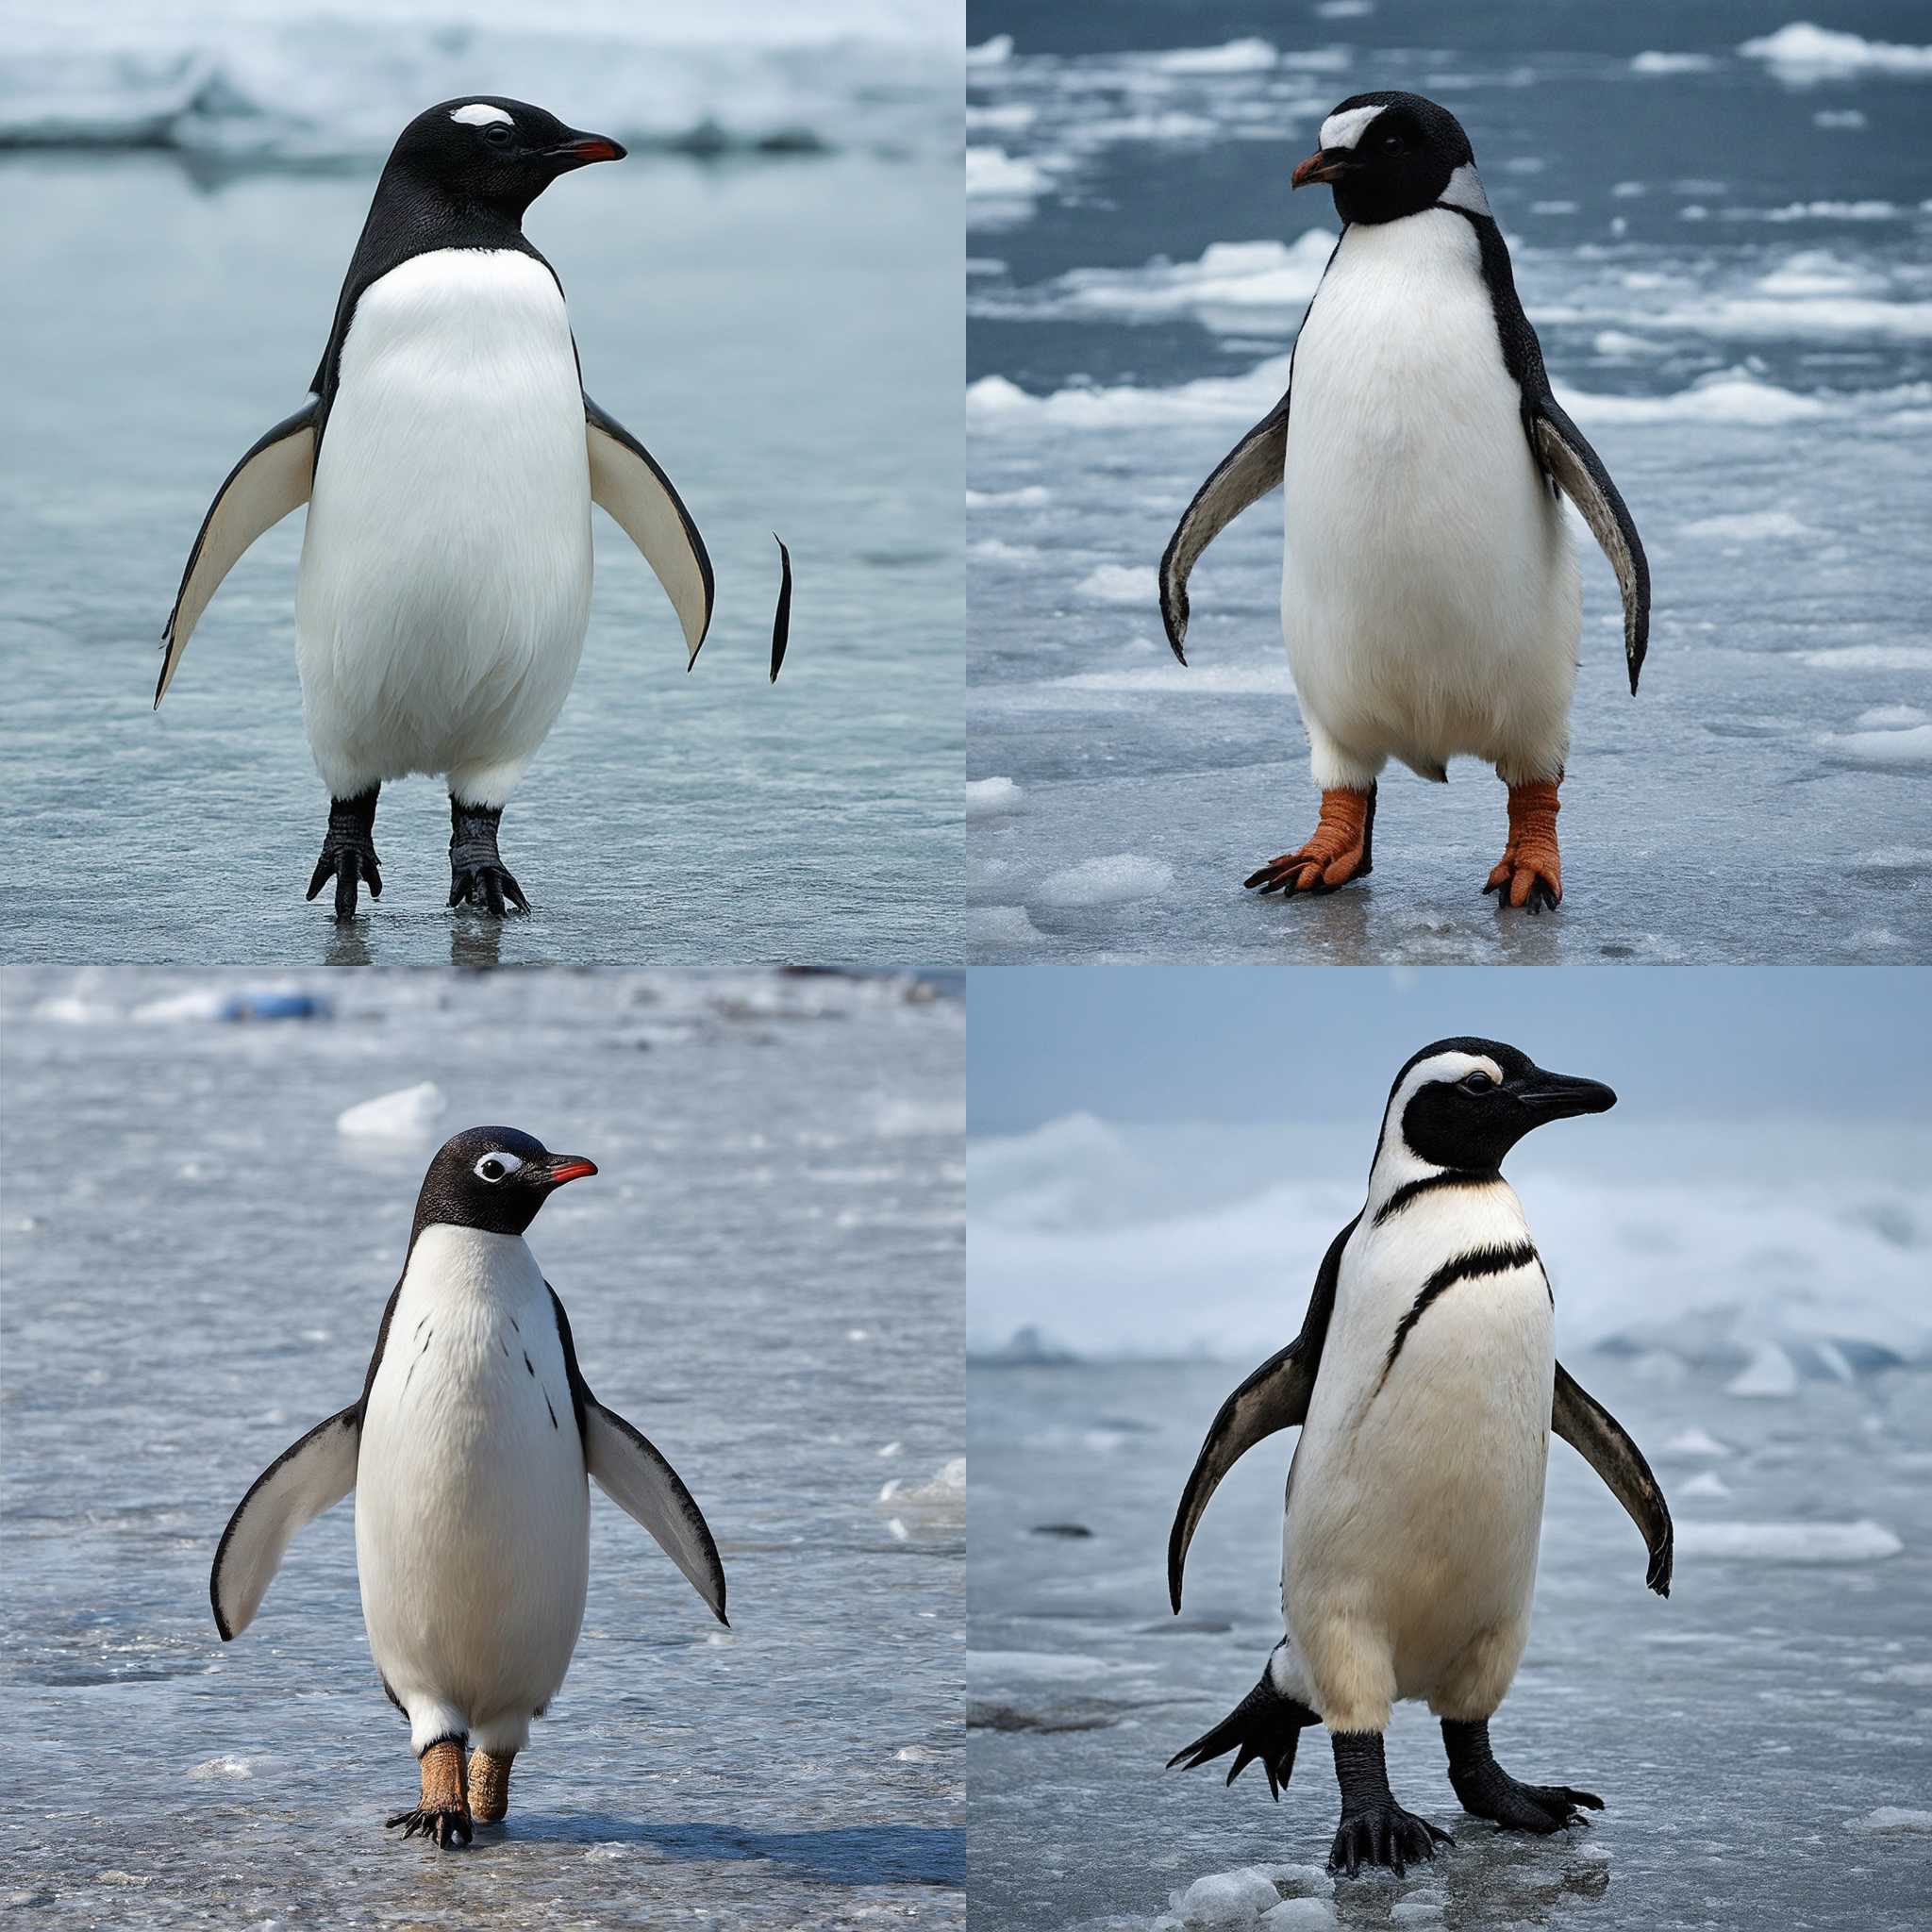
<point x="1426" y="1385"/>
<point x="449" y="457"/>
<point x="468" y="1451"/>
<point x="1430" y="593"/>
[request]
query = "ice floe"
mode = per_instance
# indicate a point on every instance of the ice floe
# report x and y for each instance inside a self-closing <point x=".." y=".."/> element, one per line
<point x="407" y="1114"/>
<point x="990" y="798"/>
<point x="1803" y="52"/>
<point x="1824" y="1543"/>
<point x="1889" y="1819"/>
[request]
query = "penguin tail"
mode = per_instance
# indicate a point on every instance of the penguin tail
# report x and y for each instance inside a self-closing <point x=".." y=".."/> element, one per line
<point x="1264" y="1727"/>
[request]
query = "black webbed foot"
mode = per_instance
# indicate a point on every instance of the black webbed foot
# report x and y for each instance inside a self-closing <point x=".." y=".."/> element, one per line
<point x="447" y="1824"/>
<point x="1486" y="1790"/>
<point x="1264" y="1728"/>
<point x="348" y="852"/>
<point x="1375" y="1829"/>
<point x="478" y="877"/>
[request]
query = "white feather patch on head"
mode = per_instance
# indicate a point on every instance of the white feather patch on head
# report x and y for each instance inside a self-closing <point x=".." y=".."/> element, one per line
<point x="1345" y="129"/>
<point x="479" y="114"/>
<point x="1466" y="191"/>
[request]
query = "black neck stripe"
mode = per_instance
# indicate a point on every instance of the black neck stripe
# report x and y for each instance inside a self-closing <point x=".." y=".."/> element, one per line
<point x="1450" y="1177"/>
<point x="1477" y="1261"/>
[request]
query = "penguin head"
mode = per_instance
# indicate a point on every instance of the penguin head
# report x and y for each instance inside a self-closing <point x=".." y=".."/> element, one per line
<point x="1464" y="1103"/>
<point x="1389" y="155"/>
<point x="499" y="154"/>
<point x="493" y="1179"/>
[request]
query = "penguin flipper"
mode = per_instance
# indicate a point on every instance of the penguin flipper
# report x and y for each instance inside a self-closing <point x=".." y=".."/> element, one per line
<point x="1578" y="471"/>
<point x="1242" y="477"/>
<point x="1274" y="1397"/>
<point x="626" y="481"/>
<point x="1600" y="1439"/>
<point x="638" y="1480"/>
<point x="304" y="1480"/>
<point x="271" y="480"/>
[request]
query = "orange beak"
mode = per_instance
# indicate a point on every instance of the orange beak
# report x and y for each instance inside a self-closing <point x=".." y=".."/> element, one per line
<point x="1324" y="164"/>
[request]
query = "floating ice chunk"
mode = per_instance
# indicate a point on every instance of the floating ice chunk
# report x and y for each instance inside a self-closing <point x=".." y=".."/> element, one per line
<point x="891" y="1449"/>
<point x="994" y="798"/>
<point x="1731" y="396"/>
<point x="229" y="1766"/>
<point x="1863" y="1541"/>
<point x="994" y="53"/>
<point x="1769" y="1373"/>
<point x="998" y="927"/>
<point x="1912" y="746"/>
<point x="1116" y="880"/>
<point x="1117" y="583"/>
<point x="1419" y="1908"/>
<point x="931" y="1504"/>
<point x="1892" y="718"/>
<point x="1301" y="1881"/>
<point x="1838" y="117"/>
<point x="1250" y="56"/>
<point x="915" y="1754"/>
<point x="1695" y="1442"/>
<point x="1748" y="526"/>
<point x="993" y="174"/>
<point x="1240" y="281"/>
<point x="1672" y="63"/>
<point x="1901" y="1673"/>
<point x="1890" y="1818"/>
<point x="1229" y="1898"/>
<point x="1306" y="1914"/>
<point x="1706" y="1483"/>
<point x="407" y="1114"/>
<point x="1802" y="52"/>
<point x="1028" y="496"/>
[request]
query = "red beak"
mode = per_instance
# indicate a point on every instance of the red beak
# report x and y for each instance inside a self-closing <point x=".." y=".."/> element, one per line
<point x="585" y="148"/>
<point x="1322" y="165"/>
<point x="573" y="1167"/>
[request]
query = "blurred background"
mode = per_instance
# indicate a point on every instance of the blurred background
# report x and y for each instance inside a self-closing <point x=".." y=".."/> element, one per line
<point x="1157" y="1161"/>
<point x="766" y="292"/>
<point x="207" y="1206"/>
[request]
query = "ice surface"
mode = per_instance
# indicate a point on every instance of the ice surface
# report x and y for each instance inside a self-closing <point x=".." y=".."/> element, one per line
<point x="1890" y="1818"/>
<point x="1116" y="880"/>
<point x="1758" y="381"/>
<point x="407" y="1114"/>
<point x="767" y="1185"/>
<point x="1863" y="1541"/>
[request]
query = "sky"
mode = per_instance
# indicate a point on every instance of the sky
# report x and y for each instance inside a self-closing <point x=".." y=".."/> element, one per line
<point x="1238" y="1045"/>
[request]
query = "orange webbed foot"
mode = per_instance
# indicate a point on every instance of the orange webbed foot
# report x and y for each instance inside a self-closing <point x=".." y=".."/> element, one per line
<point x="1530" y="872"/>
<point x="1339" y="849"/>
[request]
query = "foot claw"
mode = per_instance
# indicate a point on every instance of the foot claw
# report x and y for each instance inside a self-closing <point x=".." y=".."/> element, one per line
<point x="1384" y="1834"/>
<point x="1339" y="850"/>
<point x="348" y="853"/>
<point x="447" y="1824"/>
<point x="478" y="877"/>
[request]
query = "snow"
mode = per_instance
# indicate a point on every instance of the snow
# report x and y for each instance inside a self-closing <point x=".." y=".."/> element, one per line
<point x="988" y="798"/>
<point x="408" y="1113"/>
<point x="1116" y="880"/>
<point x="1863" y="1541"/>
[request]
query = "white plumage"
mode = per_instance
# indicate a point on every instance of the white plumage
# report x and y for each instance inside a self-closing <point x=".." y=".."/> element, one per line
<point x="446" y="579"/>
<point x="1415" y="1507"/>
<point x="1430" y="598"/>
<point x="472" y="1501"/>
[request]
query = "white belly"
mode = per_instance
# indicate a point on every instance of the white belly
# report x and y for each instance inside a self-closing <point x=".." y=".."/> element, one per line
<point x="471" y="1502"/>
<point x="445" y="577"/>
<point x="1429" y="589"/>
<point x="1415" y="1507"/>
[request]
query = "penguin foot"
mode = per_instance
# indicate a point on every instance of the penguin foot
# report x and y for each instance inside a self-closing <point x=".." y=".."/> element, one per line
<point x="1264" y="1727"/>
<point x="1530" y="872"/>
<point x="1486" y="1790"/>
<point x="442" y="1813"/>
<point x="1341" y="848"/>
<point x="478" y="877"/>
<point x="348" y="852"/>
<point x="488" y="1786"/>
<point x="1375" y="1829"/>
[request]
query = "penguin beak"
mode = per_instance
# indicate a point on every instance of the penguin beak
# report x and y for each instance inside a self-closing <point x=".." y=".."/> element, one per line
<point x="567" y="1167"/>
<point x="1557" y="1096"/>
<point x="1324" y="164"/>
<point x="580" y="151"/>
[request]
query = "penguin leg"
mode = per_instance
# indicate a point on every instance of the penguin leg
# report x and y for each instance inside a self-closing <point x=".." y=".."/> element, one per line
<point x="1375" y="1829"/>
<point x="442" y="1811"/>
<point x="1530" y="872"/>
<point x="1341" y="848"/>
<point x="348" y="852"/>
<point x="1486" y="1790"/>
<point x="477" y="873"/>
<point x="1265" y="1726"/>
<point x="489" y="1784"/>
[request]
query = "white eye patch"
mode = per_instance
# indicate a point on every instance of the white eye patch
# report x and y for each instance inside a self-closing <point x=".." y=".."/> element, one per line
<point x="1465" y="191"/>
<point x="496" y="1167"/>
<point x="1340" y="130"/>
<point x="479" y="114"/>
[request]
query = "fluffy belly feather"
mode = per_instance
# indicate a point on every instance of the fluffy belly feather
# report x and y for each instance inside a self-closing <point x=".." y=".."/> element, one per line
<point x="472" y="1505"/>
<point x="445" y="577"/>
<point x="1430" y="599"/>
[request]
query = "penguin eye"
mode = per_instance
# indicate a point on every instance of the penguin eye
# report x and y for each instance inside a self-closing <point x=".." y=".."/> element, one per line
<point x="494" y="1167"/>
<point x="1476" y="1083"/>
<point x="1391" y="144"/>
<point x="496" y="134"/>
